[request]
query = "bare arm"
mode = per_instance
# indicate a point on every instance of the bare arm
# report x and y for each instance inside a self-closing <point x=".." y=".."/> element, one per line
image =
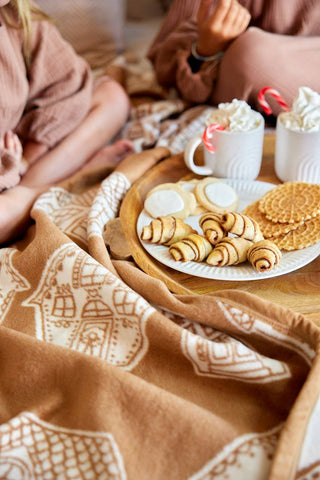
<point x="213" y="25"/>
<point x="110" y="109"/>
<point x="32" y="151"/>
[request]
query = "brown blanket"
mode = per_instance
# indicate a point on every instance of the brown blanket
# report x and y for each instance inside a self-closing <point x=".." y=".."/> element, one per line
<point x="107" y="375"/>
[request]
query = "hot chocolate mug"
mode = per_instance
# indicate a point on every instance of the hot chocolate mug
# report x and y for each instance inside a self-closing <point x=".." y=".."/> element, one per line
<point x="297" y="154"/>
<point x="234" y="154"/>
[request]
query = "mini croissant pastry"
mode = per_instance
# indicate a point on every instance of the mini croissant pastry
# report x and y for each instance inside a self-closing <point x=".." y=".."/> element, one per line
<point x="166" y="230"/>
<point x="264" y="255"/>
<point x="230" y="251"/>
<point x="193" y="247"/>
<point x="242" y="225"/>
<point x="211" y="225"/>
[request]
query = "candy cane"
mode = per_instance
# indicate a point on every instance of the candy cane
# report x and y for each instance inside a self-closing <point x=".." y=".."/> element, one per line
<point x="276" y="95"/>
<point x="207" y="135"/>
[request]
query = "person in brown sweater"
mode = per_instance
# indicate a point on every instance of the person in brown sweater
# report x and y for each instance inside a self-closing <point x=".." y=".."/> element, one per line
<point x="54" y="117"/>
<point x="215" y="50"/>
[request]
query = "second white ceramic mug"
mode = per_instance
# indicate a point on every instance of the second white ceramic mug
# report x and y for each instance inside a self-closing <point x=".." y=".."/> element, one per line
<point x="297" y="154"/>
<point x="238" y="154"/>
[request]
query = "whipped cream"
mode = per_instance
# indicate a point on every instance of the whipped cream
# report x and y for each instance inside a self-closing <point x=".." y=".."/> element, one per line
<point x="305" y="113"/>
<point x="236" y="116"/>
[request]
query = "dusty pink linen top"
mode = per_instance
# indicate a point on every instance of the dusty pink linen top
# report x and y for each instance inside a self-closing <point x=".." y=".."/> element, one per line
<point x="45" y="101"/>
<point x="171" y="47"/>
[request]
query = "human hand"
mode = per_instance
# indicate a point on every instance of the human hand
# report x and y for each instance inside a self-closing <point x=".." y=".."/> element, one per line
<point x="11" y="148"/>
<point x="217" y="27"/>
<point x="10" y="160"/>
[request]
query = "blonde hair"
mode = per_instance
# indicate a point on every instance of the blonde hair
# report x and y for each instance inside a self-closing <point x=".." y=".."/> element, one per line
<point x="24" y="12"/>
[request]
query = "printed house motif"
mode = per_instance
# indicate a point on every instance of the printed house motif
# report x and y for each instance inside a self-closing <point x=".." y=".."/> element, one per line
<point x="79" y="304"/>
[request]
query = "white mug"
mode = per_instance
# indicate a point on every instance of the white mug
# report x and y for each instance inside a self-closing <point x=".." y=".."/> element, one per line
<point x="238" y="154"/>
<point x="297" y="154"/>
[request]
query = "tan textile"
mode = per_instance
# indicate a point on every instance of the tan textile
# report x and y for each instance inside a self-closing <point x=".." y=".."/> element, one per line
<point x="105" y="374"/>
<point x="281" y="49"/>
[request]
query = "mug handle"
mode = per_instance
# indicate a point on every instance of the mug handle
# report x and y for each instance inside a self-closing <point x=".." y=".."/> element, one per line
<point x="189" y="152"/>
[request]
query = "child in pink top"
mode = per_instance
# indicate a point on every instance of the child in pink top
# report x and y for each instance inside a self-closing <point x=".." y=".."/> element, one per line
<point x="54" y="118"/>
<point x="215" y="50"/>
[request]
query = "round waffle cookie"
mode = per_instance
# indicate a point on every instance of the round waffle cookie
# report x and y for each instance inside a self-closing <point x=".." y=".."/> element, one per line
<point x="291" y="202"/>
<point x="304" y="236"/>
<point x="267" y="227"/>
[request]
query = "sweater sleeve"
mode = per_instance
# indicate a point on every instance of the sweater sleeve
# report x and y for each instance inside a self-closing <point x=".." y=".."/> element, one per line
<point x="60" y="88"/>
<point x="171" y="49"/>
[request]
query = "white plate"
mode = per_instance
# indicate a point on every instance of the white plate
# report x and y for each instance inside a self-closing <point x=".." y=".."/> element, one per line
<point x="248" y="193"/>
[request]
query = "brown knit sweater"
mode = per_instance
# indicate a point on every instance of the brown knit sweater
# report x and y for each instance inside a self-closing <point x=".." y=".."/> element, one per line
<point x="45" y="101"/>
<point x="170" y="49"/>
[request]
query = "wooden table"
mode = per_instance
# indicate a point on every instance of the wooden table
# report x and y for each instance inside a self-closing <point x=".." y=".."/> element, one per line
<point x="299" y="290"/>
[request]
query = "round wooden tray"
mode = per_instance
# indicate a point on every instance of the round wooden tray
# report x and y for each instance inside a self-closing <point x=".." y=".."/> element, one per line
<point x="298" y="290"/>
<point x="169" y="170"/>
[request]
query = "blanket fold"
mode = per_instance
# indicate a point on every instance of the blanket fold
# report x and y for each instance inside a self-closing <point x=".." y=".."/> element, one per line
<point x="106" y="374"/>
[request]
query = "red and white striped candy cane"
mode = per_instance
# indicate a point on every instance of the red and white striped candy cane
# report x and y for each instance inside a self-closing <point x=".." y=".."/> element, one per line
<point x="207" y="135"/>
<point x="276" y="95"/>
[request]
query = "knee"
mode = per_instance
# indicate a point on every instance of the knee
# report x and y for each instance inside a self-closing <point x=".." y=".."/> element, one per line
<point x="249" y="53"/>
<point x="110" y="94"/>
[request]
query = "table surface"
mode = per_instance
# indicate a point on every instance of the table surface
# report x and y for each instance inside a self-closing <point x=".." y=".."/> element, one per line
<point x="298" y="290"/>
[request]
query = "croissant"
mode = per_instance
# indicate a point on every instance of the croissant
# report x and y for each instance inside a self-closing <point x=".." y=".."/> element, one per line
<point x="242" y="225"/>
<point x="211" y="225"/>
<point x="166" y="230"/>
<point x="193" y="247"/>
<point x="229" y="251"/>
<point x="264" y="255"/>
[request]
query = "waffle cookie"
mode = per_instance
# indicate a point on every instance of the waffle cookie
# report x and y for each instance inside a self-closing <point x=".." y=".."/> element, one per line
<point x="304" y="236"/>
<point x="267" y="227"/>
<point x="291" y="202"/>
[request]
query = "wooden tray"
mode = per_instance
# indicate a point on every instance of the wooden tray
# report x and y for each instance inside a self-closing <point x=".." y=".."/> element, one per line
<point x="169" y="170"/>
<point x="278" y="289"/>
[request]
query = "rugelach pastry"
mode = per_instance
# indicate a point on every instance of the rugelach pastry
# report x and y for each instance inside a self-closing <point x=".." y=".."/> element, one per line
<point x="241" y="225"/>
<point x="264" y="255"/>
<point x="229" y="251"/>
<point x="166" y="230"/>
<point x="210" y="223"/>
<point x="194" y="247"/>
